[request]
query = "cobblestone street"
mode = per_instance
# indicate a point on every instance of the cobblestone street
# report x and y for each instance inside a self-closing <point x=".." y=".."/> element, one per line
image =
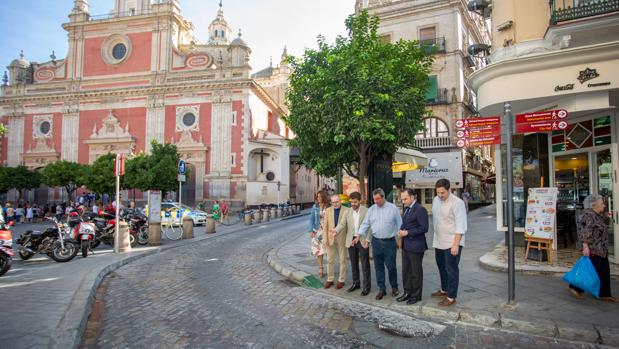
<point x="220" y="293"/>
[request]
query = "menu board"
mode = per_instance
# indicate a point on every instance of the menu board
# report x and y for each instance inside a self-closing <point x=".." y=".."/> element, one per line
<point x="541" y="213"/>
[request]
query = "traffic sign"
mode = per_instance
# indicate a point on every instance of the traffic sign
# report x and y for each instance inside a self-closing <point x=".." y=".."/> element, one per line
<point x="548" y="115"/>
<point x="119" y="165"/>
<point x="181" y="167"/>
<point x="181" y="178"/>
<point x="478" y="131"/>
<point x="543" y="126"/>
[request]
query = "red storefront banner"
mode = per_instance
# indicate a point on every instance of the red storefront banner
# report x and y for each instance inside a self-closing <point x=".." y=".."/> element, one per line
<point x="549" y="115"/>
<point x="544" y="126"/>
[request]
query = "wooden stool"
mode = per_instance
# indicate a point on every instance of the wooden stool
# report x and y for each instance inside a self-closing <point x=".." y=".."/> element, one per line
<point x="540" y="245"/>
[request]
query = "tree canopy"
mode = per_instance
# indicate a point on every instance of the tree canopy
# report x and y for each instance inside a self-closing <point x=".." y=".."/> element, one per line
<point x="356" y="99"/>
<point x="69" y="175"/>
<point x="157" y="171"/>
<point x="18" y="178"/>
<point x="99" y="176"/>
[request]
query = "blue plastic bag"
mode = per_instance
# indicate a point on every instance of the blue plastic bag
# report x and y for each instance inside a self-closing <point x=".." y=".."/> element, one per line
<point x="584" y="276"/>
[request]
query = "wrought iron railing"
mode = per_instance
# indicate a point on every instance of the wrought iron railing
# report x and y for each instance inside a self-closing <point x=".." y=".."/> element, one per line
<point x="433" y="46"/>
<point x="120" y="14"/>
<point x="567" y="10"/>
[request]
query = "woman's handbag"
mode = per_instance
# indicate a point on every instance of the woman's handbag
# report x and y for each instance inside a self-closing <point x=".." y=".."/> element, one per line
<point x="584" y="276"/>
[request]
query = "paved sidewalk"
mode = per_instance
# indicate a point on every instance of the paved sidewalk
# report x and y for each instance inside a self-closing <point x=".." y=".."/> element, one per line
<point x="47" y="304"/>
<point x="544" y="306"/>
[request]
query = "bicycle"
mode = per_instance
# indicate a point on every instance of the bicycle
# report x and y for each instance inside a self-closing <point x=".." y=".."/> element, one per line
<point x="169" y="227"/>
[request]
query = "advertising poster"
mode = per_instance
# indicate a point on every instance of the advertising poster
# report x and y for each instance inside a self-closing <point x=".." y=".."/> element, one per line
<point x="541" y="213"/>
<point x="154" y="207"/>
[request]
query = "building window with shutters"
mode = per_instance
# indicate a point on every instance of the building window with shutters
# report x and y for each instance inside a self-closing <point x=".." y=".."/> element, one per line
<point x="432" y="91"/>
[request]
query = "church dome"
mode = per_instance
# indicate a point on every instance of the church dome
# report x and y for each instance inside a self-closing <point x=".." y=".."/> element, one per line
<point x="21" y="62"/>
<point x="238" y="41"/>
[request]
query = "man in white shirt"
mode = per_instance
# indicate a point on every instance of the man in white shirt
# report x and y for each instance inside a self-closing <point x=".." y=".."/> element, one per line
<point x="449" y="220"/>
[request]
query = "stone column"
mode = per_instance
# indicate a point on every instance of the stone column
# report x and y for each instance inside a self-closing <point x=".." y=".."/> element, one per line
<point x="155" y="121"/>
<point x="70" y="125"/>
<point x="15" y="146"/>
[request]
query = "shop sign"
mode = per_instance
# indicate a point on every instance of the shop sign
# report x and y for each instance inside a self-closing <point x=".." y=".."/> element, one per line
<point x="440" y="165"/>
<point x="541" y="213"/>
<point x="478" y="131"/>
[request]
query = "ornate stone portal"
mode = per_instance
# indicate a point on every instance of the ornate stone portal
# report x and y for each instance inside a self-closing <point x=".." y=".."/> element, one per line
<point x="110" y="138"/>
<point x="42" y="154"/>
<point x="194" y="153"/>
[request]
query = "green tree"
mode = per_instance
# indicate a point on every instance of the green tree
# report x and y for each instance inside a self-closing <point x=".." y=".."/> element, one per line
<point x="163" y="166"/>
<point x="18" y="178"/>
<point x="99" y="177"/>
<point x="356" y="99"/>
<point x="3" y="130"/>
<point x="69" y="175"/>
<point x="157" y="171"/>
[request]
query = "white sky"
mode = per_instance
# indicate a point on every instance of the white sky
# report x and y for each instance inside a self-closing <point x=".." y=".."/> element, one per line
<point x="267" y="25"/>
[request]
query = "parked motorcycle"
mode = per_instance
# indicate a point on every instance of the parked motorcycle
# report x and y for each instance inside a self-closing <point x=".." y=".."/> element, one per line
<point x="82" y="231"/>
<point x="105" y="228"/>
<point x="6" y="253"/>
<point x="138" y="227"/>
<point x="54" y="242"/>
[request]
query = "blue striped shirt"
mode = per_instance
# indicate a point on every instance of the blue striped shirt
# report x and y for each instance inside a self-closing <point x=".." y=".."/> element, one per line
<point x="384" y="221"/>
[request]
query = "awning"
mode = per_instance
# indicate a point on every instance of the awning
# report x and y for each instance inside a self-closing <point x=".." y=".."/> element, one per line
<point x="408" y="160"/>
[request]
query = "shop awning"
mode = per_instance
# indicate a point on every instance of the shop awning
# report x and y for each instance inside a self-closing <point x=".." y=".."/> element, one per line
<point x="408" y="160"/>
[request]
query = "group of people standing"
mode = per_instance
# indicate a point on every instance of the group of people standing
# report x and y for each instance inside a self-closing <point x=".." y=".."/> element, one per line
<point x="20" y="213"/>
<point x="337" y="230"/>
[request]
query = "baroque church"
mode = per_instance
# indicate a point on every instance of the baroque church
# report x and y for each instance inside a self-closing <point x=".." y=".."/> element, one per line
<point x="138" y="74"/>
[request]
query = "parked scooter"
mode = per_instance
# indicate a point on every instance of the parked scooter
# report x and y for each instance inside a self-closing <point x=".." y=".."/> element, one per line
<point x="81" y="231"/>
<point x="138" y="227"/>
<point x="6" y="242"/>
<point x="54" y="242"/>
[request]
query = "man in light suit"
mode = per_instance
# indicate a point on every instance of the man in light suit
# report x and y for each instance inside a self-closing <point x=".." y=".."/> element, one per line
<point x="334" y="238"/>
<point x="357" y="252"/>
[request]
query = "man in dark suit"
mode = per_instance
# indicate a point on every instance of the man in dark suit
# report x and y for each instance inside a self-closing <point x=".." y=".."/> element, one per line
<point x="413" y="234"/>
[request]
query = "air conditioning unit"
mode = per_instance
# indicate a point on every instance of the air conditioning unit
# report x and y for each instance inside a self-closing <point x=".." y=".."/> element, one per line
<point x="481" y="7"/>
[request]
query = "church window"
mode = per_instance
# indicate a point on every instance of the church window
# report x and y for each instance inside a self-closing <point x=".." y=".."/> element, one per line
<point x="44" y="127"/>
<point x="189" y="119"/>
<point x="216" y="33"/>
<point x="223" y="34"/>
<point x="233" y="163"/>
<point x="233" y="118"/>
<point x="119" y="51"/>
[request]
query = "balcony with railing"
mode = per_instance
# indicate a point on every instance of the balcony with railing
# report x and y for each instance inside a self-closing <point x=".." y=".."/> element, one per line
<point x="433" y="142"/>
<point x="433" y="46"/>
<point x="567" y="10"/>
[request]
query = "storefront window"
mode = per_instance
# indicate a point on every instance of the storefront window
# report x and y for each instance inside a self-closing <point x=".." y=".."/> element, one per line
<point x="428" y="195"/>
<point x="529" y="157"/>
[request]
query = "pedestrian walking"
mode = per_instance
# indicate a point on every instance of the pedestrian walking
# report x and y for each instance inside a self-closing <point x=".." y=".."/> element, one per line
<point x="10" y="212"/>
<point x="593" y="238"/>
<point x="357" y="253"/>
<point x="384" y="219"/>
<point x="449" y="220"/>
<point x="466" y="197"/>
<point x="216" y="210"/>
<point x="29" y="214"/>
<point x="19" y="213"/>
<point x="334" y="236"/>
<point x="59" y="212"/>
<point x="317" y="214"/>
<point x="413" y="234"/>
<point x="224" y="212"/>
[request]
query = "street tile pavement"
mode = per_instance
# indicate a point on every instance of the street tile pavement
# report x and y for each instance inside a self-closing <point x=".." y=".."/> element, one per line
<point x="543" y="306"/>
<point x="220" y="293"/>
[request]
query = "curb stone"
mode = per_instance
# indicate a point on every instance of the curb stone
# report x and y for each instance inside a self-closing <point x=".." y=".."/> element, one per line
<point x="544" y="328"/>
<point x="69" y="331"/>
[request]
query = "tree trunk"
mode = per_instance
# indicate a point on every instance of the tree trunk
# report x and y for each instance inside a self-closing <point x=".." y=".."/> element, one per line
<point x="363" y="169"/>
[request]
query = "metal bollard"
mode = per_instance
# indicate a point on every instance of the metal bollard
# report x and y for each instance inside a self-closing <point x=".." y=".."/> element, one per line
<point x="187" y="228"/>
<point x="266" y="215"/>
<point x="246" y="218"/>
<point x="210" y="224"/>
<point x="257" y="216"/>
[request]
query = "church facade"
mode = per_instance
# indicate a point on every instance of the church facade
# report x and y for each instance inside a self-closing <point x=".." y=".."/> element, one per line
<point x="139" y="74"/>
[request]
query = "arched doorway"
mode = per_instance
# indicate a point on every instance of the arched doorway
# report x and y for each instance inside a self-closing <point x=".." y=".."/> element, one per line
<point x="189" y="186"/>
